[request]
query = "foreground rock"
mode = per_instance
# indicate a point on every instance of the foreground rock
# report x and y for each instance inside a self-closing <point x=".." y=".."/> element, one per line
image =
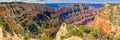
<point x="73" y="38"/>
<point x="1" y="33"/>
<point x="62" y="31"/>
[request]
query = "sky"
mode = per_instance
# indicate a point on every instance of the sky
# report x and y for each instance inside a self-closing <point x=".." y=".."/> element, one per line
<point x="64" y="1"/>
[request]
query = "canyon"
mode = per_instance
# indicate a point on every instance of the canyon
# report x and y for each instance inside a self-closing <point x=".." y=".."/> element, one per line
<point x="36" y="21"/>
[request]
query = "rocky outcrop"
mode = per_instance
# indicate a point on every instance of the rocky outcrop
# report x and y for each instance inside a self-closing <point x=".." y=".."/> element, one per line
<point x="74" y="38"/>
<point x="79" y="14"/>
<point x="1" y="33"/>
<point x="108" y="18"/>
<point x="61" y="32"/>
<point x="29" y="18"/>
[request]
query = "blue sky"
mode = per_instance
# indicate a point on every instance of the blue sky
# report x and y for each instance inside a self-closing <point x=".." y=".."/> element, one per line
<point x="64" y="1"/>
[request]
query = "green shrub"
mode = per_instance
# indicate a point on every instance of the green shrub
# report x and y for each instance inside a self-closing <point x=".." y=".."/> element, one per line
<point x="78" y="31"/>
<point x="86" y="32"/>
<point x="69" y="26"/>
<point x="26" y="36"/>
<point x="118" y="38"/>
<point x="4" y="34"/>
<point x="6" y="26"/>
<point x="39" y="35"/>
<point x="44" y="37"/>
<point x="99" y="33"/>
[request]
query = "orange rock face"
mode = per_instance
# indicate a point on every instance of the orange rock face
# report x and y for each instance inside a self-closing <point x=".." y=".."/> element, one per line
<point x="104" y="24"/>
<point x="108" y="18"/>
<point x="102" y="20"/>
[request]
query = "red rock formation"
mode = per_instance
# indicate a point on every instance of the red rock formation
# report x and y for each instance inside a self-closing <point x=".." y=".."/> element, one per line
<point x="9" y="12"/>
<point x="102" y="21"/>
<point x="107" y="18"/>
<point x="78" y="14"/>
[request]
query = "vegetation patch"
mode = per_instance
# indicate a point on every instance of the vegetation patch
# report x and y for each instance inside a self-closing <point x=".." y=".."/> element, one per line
<point x="86" y="33"/>
<point x="6" y="26"/>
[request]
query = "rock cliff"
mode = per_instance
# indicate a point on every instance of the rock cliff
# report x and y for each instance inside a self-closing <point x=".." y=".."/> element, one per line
<point x="108" y="18"/>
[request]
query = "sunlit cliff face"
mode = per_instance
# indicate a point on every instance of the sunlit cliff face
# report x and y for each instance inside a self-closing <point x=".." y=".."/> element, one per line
<point x="108" y="18"/>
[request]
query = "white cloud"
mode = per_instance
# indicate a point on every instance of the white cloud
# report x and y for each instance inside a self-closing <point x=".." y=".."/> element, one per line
<point x="32" y="1"/>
